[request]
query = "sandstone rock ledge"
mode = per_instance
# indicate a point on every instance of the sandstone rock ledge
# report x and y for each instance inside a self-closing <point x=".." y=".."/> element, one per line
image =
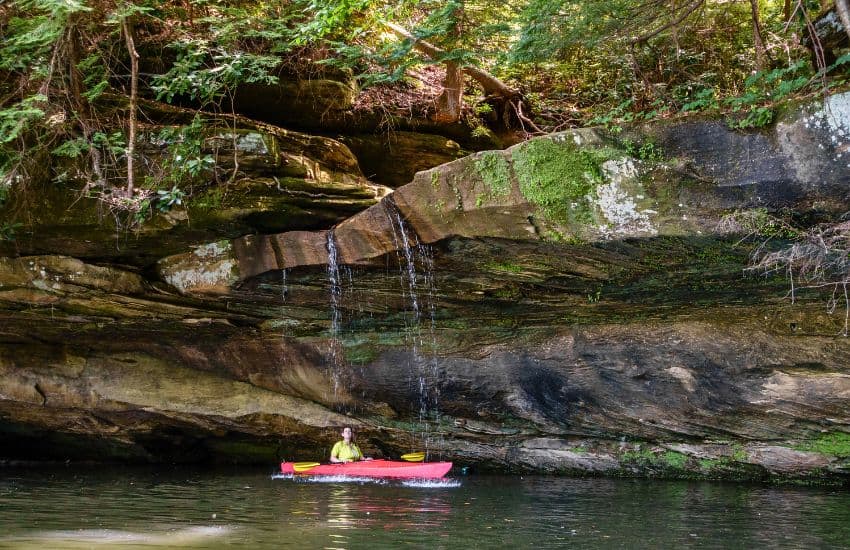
<point x="562" y="307"/>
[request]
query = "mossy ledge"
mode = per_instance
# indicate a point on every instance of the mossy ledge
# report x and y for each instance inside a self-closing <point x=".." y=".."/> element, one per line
<point x="560" y="178"/>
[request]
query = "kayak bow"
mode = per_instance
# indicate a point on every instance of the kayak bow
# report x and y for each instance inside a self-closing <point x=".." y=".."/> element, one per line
<point x="371" y="468"/>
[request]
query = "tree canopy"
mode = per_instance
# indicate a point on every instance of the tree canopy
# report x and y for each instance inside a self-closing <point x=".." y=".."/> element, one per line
<point x="526" y="66"/>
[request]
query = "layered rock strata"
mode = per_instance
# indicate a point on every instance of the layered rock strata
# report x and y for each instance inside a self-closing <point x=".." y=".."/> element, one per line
<point x="570" y="305"/>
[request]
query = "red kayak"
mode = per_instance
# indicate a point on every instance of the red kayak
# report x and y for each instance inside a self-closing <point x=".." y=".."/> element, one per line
<point x="372" y="468"/>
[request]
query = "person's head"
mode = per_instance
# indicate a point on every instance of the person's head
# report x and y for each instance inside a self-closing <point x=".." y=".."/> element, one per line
<point x="348" y="434"/>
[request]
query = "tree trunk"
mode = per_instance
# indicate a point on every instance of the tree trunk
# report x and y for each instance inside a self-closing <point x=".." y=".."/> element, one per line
<point x="758" y="41"/>
<point x="786" y="11"/>
<point x="134" y="92"/>
<point x="490" y="83"/>
<point x="506" y="101"/>
<point x="450" y="102"/>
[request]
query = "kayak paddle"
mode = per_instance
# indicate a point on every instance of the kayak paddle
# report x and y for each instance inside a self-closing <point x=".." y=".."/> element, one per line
<point x="414" y="457"/>
<point x="304" y="466"/>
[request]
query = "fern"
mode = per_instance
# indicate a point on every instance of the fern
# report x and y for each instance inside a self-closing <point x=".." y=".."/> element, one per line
<point x="28" y="39"/>
<point x="17" y="118"/>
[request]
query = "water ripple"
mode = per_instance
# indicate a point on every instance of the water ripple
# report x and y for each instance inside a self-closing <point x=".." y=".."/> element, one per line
<point x="138" y="509"/>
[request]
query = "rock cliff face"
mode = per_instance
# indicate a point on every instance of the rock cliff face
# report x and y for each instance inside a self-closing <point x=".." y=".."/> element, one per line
<point x="576" y="303"/>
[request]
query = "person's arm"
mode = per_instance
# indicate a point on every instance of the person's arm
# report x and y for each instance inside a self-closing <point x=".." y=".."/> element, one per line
<point x="360" y="454"/>
<point x="335" y="454"/>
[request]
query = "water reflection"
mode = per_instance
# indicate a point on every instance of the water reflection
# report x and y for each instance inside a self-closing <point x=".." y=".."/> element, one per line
<point x="705" y="515"/>
<point x="106" y="538"/>
<point x="348" y="509"/>
<point x="152" y="509"/>
<point x="340" y="508"/>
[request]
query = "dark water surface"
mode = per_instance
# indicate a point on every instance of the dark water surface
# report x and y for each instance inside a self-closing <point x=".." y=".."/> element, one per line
<point x="111" y="508"/>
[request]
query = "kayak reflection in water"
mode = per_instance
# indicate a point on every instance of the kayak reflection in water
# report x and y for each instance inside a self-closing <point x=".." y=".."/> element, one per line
<point x="346" y="450"/>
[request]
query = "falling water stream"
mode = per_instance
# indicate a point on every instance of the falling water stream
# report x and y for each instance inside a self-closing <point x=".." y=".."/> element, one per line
<point x="335" y="284"/>
<point x="418" y="284"/>
<point x="416" y="275"/>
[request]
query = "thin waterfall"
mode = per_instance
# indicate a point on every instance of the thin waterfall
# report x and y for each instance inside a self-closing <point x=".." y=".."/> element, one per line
<point x="418" y="286"/>
<point x="335" y="284"/>
<point x="426" y="256"/>
<point x="334" y="281"/>
<point x="283" y="295"/>
<point x="406" y="260"/>
<point x="416" y="272"/>
<point x="410" y="262"/>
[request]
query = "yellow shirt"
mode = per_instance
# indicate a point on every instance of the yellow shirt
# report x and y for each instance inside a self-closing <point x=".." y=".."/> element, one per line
<point x="345" y="451"/>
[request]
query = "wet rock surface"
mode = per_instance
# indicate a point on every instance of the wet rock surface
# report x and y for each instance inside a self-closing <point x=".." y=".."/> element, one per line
<point x="607" y="330"/>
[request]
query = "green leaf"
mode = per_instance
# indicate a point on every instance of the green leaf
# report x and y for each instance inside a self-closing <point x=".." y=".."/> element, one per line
<point x="17" y="118"/>
<point x="125" y="10"/>
<point x="72" y="148"/>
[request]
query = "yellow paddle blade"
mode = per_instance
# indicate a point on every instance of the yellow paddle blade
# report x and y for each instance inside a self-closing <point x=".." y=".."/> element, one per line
<point x="414" y="457"/>
<point x="304" y="466"/>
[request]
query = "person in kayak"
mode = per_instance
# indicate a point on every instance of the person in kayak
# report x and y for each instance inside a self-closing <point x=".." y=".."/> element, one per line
<point x="346" y="450"/>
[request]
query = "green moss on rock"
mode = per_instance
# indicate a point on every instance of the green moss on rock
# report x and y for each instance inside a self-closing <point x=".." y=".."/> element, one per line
<point x="559" y="178"/>
<point x="674" y="459"/>
<point x="359" y="350"/>
<point x="210" y="199"/>
<point x="495" y="172"/>
<point x="504" y="266"/>
<point x="835" y="444"/>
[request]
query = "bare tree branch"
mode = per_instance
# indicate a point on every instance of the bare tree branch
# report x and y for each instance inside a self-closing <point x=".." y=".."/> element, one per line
<point x="134" y="93"/>
<point x="688" y="10"/>
<point x="490" y="83"/>
<point x="758" y="40"/>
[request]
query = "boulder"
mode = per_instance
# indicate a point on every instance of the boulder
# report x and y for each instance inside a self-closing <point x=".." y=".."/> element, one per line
<point x="393" y="158"/>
